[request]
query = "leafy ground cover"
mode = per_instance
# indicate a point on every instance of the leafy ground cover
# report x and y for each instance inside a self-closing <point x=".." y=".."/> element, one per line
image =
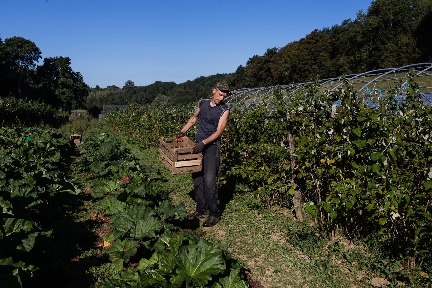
<point x="111" y="245"/>
<point x="92" y="216"/>
<point x="363" y="172"/>
<point x="142" y="237"/>
<point x="38" y="202"/>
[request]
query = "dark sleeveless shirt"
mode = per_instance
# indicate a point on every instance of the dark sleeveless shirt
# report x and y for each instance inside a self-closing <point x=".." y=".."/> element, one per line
<point x="209" y="118"/>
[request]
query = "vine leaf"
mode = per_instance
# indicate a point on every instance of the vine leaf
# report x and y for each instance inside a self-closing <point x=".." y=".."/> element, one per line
<point x="357" y="131"/>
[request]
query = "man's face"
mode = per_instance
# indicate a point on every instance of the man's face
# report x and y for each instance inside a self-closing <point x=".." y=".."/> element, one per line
<point x="218" y="95"/>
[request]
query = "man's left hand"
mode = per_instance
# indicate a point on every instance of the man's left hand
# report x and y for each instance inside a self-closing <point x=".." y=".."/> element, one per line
<point x="198" y="147"/>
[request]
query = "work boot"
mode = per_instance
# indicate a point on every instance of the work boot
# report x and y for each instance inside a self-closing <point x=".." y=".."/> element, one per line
<point x="211" y="221"/>
<point x="197" y="215"/>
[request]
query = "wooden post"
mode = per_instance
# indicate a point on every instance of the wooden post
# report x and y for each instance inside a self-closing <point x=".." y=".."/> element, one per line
<point x="333" y="110"/>
<point x="297" y="197"/>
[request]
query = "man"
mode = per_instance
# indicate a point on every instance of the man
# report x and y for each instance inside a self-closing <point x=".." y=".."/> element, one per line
<point x="213" y="117"/>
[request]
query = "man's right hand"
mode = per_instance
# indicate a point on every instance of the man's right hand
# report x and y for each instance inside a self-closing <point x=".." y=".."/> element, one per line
<point x="179" y="136"/>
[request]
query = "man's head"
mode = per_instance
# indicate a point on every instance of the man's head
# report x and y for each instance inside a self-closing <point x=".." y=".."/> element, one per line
<point x="220" y="91"/>
<point x="223" y="86"/>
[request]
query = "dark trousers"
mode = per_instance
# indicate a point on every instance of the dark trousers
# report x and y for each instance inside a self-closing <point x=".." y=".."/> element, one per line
<point x="206" y="193"/>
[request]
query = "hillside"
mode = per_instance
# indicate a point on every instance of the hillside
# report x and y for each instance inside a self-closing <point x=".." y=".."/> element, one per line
<point x="391" y="33"/>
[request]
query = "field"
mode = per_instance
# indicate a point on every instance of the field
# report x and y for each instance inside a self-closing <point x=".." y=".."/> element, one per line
<point x="107" y="213"/>
<point x="363" y="173"/>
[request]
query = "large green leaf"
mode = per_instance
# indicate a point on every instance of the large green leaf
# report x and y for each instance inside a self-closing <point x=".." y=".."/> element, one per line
<point x="111" y="205"/>
<point x="28" y="243"/>
<point x="199" y="262"/>
<point x="122" y="223"/>
<point x="168" y="210"/>
<point x="146" y="227"/>
<point x="139" y="221"/>
<point x="10" y="272"/>
<point x="167" y="262"/>
<point x="26" y="191"/>
<point x="357" y="131"/>
<point x="233" y="280"/>
<point x="121" y="251"/>
<point x="375" y="156"/>
<point x="5" y="205"/>
<point x="311" y="210"/>
<point x="13" y="225"/>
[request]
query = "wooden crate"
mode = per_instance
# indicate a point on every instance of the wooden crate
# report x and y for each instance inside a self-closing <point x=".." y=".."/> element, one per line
<point x="75" y="139"/>
<point x="178" y="157"/>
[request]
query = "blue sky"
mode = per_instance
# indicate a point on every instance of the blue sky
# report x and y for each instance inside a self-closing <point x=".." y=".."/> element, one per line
<point x="110" y="42"/>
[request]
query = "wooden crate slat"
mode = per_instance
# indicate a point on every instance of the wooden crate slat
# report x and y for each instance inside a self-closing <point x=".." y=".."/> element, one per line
<point x="168" y="152"/>
<point x="187" y="163"/>
<point x="170" y="142"/>
<point x="189" y="157"/>
<point x="183" y="150"/>
<point x="180" y="170"/>
<point x="164" y="156"/>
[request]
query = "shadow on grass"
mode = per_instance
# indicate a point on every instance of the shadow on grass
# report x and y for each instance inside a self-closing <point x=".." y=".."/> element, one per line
<point x="187" y="225"/>
<point x="225" y="192"/>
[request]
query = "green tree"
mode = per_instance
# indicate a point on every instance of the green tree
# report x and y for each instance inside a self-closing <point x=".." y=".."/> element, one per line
<point x="19" y="60"/>
<point x="308" y="58"/>
<point x="236" y="80"/>
<point x="347" y="40"/>
<point x="94" y="111"/>
<point x="60" y="86"/>
<point x="129" y="83"/>
<point x="401" y="50"/>
<point x="388" y="32"/>
<point x="258" y="70"/>
<point x="423" y="35"/>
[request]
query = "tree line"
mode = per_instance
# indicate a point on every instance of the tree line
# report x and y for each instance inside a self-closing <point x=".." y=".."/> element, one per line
<point x="157" y="93"/>
<point x="392" y="33"/>
<point x="53" y="82"/>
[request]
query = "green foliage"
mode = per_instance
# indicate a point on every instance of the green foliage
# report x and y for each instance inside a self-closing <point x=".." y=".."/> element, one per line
<point x="182" y="260"/>
<point x="261" y="157"/>
<point x="94" y="111"/>
<point x="168" y="93"/>
<point x="53" y="83"/>
<point x="60" y="86"/>
<point x="33" y="166"/>
<point x="364" y="169"/>
<point x="148" y="124"/>
<point x="307" y="59"/>
<point x="232" y="281"/>
<point x="16" y="112"/>
<point x="18" y="59"/>
<point x="198" y="262"/>
<point x="145" y="247"/>
<point x="103" y="155"/>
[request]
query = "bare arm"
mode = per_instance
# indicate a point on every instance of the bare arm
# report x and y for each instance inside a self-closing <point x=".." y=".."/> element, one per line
<point x="221" y="126"/>
<point x="191" y="120"/>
